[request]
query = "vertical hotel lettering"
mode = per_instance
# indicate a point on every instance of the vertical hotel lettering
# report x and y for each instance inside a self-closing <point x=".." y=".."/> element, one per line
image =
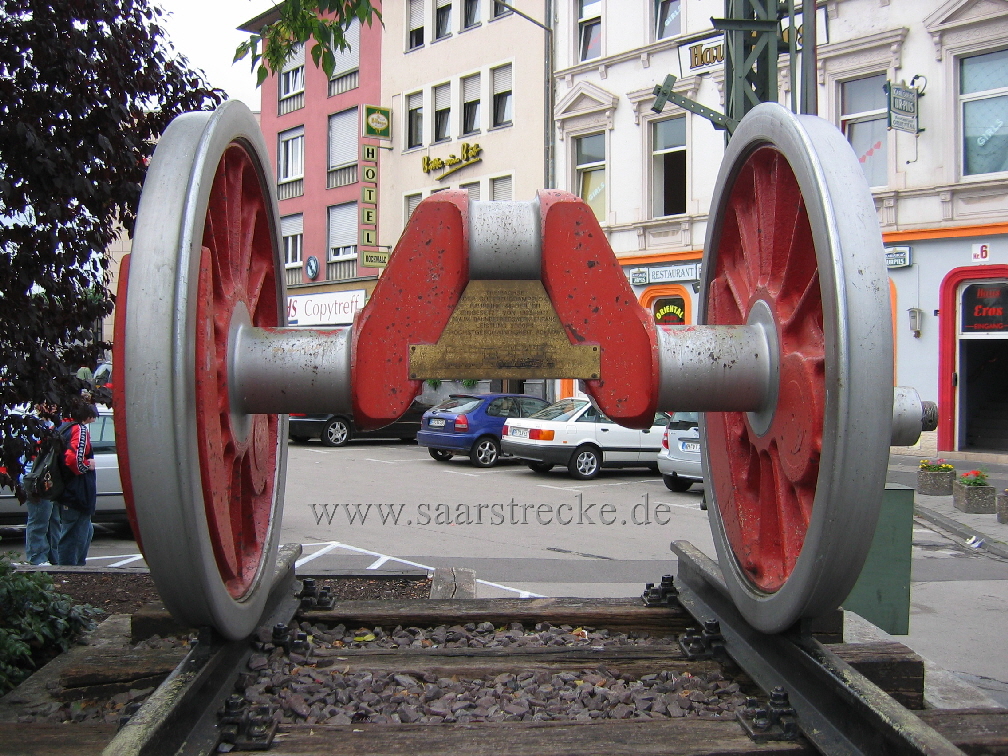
<point x="370" y="255"/>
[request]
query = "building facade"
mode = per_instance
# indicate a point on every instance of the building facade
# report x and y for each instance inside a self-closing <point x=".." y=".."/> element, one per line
<point x="941" y="195"/>
<point x="312" y="126"/>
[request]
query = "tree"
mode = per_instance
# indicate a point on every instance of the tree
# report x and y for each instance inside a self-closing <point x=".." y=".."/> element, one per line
<point x="299" y="21"/>
<point x="86" y="89"/>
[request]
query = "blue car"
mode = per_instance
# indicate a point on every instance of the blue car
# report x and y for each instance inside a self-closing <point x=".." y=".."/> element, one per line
<point x="472" y="424"/>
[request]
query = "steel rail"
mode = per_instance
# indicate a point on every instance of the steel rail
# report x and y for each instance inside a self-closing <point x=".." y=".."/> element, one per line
<point x="839" y="710"/>
<point x="180" y="717"/>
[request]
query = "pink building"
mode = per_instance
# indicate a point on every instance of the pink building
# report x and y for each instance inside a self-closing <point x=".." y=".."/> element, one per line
<point x="312" y="124"/>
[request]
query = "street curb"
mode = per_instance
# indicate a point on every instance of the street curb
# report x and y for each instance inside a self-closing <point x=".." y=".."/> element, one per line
<point x="963" y="531"/>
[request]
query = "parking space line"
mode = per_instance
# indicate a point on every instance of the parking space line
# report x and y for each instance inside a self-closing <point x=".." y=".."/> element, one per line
<point x="130" y="560"/>
<point x="378" y="562"/>
<point x="317" y="451"/>
<point x="455" y="472"/>
<point x="391" y="461"/>
<point x="681" y="506"/>
<point x="316" y="554"/>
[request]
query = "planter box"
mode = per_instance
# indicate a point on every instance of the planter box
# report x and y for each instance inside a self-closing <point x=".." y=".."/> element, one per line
<point x="973" y="499"/>
<point x="935" y="483"/>
<point x="1002" y="508"/>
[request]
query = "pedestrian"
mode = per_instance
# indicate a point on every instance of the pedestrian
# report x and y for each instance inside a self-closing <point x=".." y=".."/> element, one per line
<point x="84" y="373"/>
<point x="43" y="529"/>
<point x="80" y="495"/>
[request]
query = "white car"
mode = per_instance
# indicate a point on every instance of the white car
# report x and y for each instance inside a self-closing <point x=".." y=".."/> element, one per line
<point x="575" y="434"/>
<point x="679" y="458"/>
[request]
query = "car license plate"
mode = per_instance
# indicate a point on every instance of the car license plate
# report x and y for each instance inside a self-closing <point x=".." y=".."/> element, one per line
<point x="519" y="433"/>
<point x="690" y="446"/>
<point x="436" y="422"/>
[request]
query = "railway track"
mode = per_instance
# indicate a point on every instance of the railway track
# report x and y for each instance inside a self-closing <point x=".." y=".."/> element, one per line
<point x="557" y="676"/>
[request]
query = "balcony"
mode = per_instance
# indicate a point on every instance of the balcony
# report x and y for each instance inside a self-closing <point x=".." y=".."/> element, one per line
<point x="291" y="103"/>
<point x="291" y="188"/>
<point x="344" y="83"/>
<point x="341" y="176"/>
<point x="342" y="269"/>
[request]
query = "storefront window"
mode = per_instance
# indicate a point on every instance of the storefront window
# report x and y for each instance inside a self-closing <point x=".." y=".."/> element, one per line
<point x="669" y="311"/>
<point x="983" y="90"/>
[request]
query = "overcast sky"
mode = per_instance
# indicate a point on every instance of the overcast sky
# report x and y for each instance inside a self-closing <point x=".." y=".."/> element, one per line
<point x="205" y="31"/>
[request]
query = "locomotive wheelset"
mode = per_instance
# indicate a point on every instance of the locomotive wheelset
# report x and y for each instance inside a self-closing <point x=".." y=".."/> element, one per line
<point x="791" y="361"/>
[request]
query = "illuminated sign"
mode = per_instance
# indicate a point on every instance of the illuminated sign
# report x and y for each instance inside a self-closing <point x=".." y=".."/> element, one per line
<point x="902" y="107"/>
<point x="377" y="122"/>
<point x="665" y="274"/>
<point x="898" y="257"/>
<point x="470" y="154"/>
<point x="367" y="220"/>
<point x="984" y="306"/>
<point x="670" y="311"/>
<point x="327" y="308"/>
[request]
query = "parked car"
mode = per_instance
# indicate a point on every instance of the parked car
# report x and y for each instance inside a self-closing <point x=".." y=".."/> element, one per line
<point x="339" y="429"/>
<point x="575" y="433"/>
<point x="472" y="424"/>
<point x="679" y="458"/>
<point x="111" y="505"/>
<point x="103" y="376"/>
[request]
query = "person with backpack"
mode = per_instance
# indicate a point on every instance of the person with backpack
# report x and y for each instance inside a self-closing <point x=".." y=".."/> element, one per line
<point x="42" y="531"/>
<point x="80" y="493"/>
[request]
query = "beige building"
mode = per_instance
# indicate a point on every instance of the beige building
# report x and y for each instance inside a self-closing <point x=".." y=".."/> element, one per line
<point x="464" y="81"/>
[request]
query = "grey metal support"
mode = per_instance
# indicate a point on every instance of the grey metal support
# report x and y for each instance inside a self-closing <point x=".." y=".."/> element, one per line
<point x="810" y="85"/>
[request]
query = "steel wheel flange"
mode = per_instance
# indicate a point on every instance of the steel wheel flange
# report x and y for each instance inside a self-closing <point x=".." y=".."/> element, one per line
<point x="205" y="258"/>
<point x="795" y="489"/>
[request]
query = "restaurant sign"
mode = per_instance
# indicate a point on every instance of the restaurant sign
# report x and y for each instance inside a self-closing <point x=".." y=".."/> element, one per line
<point x="665" y="274"/>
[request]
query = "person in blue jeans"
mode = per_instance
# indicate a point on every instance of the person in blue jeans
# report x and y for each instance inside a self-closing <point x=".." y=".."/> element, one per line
<point x="80" y="496"/>
<point x="43" y="529"/>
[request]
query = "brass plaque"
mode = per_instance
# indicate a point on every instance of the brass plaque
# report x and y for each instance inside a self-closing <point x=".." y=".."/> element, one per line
<point x="503" y="329"/>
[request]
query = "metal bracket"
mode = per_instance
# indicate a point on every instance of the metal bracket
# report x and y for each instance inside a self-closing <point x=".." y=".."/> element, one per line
<point x="773" y="721"/>
<point x="245" y="728"/>
<point x="314" y="599"/>
<point x="663" y="93"/>
<point x="703" y="644"/>
<point x="665" y="594"/>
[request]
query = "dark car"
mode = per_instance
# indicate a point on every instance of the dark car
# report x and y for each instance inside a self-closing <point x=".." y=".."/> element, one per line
<point x="337" y="430"/>
<point x="472" y="424"/>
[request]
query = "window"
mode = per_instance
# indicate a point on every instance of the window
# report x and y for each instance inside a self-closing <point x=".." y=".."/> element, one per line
<point x="501" y="95"/>
<point x="342" y="231"/>
<point x="590" y="28"/>
<point x="412" y="200"/>
<point x="416" y="25"/>
<point x="290" y="88"/>
<point x="442" y="19"/>
<point x="590" y="162"/>
<point x="472" y="14"/>
<point x="345" y="71"/>
<point x="442" y="112"/>
<point x="499" y="9"/>
<point x="473" y="189"/>
<point x="290" y="159"/>
<point x="983" y="92"/>
<point x="668" y="166"/>
<point x="864" y="121"/>
<point x="470" y="104"/>
<point x="414" y="120"/>
<point x="342" y="169"/>
<point x="668" y="21"/>
<point x="292" y="231"/>
<point x="500" y="189"/>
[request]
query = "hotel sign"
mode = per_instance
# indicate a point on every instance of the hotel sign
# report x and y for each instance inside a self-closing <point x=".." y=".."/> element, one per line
<point x="367" y="221"/>
<point x="703" y="55"/>
<point x="377" y="122"/>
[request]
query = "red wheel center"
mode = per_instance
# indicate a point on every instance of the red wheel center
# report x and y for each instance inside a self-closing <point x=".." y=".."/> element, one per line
<point x="765" y="484"/>
<point x="237" y="470"/>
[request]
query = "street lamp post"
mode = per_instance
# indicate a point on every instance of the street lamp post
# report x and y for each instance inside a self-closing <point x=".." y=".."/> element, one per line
<point x="549" y="159"/>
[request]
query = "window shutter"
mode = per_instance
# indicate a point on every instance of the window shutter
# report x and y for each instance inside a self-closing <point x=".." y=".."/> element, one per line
<point x="443" y="3"/>
<point x="502" y="79"/>
<point x="342" y="226"/>
<point x="292" y="225"/>
<point x="348" y="60"/>
<point x="414" y="101"/>
<point x="297" y="59"/>
<point x="411" y="204"/>
<point x="416" y="14"/>
<point x="473" y="189"/>
<point x="471" y="88"/>
<point x="442" y="97"/>
<point x="500" y="188"/>
<point x="343" y="138"/>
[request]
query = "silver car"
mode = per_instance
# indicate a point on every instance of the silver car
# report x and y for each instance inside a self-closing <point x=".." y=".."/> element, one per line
<point x="111" y="506"/>
<point x="679" y="458"/>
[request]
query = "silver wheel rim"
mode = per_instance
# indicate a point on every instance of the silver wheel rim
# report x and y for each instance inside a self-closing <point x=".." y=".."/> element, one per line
<point x="160" y="370"/>
<point x="858" y="403"/>
<point x="486" y="452"/>
<point x="338" y="432"/>
<point x="587" y="463"/>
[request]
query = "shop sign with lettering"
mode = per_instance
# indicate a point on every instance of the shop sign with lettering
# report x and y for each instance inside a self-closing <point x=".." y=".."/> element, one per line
<point x="702" y="55"/>
<point x="902" y="107"/>
<point x="377" y="122"/>
<point x="468" y="155"/>
<point x="367" y="221"/>
<point x="984" y="306"/>
<point x="327" y="308"/>
<point x="898" y="257"/>
<point x="665" y="274"/>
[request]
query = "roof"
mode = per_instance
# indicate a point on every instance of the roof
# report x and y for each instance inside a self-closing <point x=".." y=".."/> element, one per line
<point x="255" y="25"/>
